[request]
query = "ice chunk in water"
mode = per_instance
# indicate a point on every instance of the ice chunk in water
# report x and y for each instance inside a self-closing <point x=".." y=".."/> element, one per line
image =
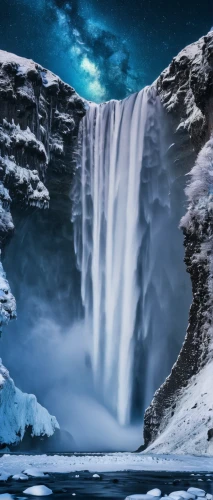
<point x="38" y="491"/>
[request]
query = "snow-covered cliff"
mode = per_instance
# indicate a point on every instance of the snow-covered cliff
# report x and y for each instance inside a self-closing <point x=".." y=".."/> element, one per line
<point x="180" y="417"/>
<point x="39" y="118"/>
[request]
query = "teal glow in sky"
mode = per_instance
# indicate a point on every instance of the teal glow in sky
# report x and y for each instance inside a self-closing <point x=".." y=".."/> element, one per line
<point x="104" y="48"/>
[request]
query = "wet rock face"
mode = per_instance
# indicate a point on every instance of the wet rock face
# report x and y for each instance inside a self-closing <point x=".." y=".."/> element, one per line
<point x="186" y="91"/>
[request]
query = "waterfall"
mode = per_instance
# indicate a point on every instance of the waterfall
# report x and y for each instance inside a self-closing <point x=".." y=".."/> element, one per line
<point x="121" y="224"/>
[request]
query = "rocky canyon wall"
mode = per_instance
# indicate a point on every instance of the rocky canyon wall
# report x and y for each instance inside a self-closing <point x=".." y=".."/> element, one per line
<point x="39" y="118"/>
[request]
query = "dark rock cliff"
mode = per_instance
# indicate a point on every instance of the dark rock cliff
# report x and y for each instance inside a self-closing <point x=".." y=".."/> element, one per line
<point x="179" y="412"/>
<point x="39" y="118"/>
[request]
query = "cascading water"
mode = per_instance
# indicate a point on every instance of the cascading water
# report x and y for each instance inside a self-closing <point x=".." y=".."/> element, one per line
<point x="113" y="134"/>
<point x="121" y="219"/>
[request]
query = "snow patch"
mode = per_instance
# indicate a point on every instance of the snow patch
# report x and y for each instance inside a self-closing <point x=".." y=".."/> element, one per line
<point x="24" y="66"/>
<point x="200" y="189"/>
<point x="34" y="472"/>
<point x="26" y="183"/>
<point x="14" y="464"/>
<point x="12" y="133"/>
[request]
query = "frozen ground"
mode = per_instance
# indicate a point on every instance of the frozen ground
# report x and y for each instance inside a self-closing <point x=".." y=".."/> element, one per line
<point x="33" y="465"/>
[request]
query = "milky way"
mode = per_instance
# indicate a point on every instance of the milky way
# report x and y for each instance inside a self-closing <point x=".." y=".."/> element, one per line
<point x="104" y="48"/>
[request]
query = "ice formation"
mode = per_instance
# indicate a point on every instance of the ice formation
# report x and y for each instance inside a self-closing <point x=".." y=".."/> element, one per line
<point x="19" y="411"/>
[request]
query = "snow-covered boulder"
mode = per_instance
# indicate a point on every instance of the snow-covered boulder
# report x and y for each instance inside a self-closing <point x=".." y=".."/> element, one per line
<point x="19" y="412"/>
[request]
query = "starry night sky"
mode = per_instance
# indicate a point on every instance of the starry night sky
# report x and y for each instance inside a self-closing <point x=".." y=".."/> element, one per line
<point x="104" y="48"/>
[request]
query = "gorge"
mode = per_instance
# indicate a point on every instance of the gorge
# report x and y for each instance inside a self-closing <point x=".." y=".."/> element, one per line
<point x="99" y="279"/>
